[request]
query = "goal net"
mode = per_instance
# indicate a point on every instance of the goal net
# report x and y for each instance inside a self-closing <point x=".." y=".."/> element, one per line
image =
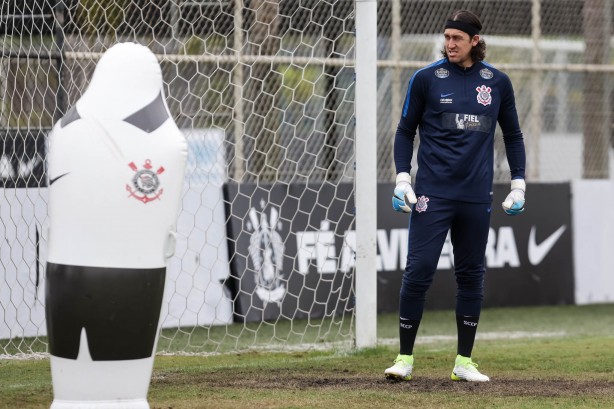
<point x="264" y="91"/>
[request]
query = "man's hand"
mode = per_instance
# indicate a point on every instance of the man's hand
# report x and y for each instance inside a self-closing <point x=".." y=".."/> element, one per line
<point x="404" y="195"/>
<point x="514" y="202"/>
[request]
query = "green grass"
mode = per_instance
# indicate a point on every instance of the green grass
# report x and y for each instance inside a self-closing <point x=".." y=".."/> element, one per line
<point x="569" y="363"/>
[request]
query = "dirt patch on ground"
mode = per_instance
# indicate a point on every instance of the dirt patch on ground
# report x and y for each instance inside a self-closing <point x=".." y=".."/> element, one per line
<point x="345" y="380"/>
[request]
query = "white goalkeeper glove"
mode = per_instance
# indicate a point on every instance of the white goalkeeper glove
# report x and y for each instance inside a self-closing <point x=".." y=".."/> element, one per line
<point x="514" y="202"/>
<point x="404" y="195"/>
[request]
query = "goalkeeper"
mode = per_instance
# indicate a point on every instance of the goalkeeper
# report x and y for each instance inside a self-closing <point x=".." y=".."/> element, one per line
<point x="456" y="103"/>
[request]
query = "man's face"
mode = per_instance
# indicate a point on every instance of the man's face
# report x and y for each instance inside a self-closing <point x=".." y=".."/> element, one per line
<point x="458" y="46"/>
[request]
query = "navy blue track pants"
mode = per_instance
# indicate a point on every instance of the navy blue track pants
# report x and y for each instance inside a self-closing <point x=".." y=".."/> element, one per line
<point x="429" y="223"/>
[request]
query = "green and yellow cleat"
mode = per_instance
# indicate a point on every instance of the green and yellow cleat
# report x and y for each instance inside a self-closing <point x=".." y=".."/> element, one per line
<point x="402" y="368"/>
<point x="467" y="370"/>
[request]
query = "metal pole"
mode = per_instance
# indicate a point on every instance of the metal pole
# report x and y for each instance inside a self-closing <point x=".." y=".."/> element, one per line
<point x="239" y="121"/>
<point x="396" y="73"/>
<point x="536" y="95"/>
<point x="175" y="14"/>
<point x="58" y="37"/>
<point x="4" y="113"/>
<point x="365" y="183"/>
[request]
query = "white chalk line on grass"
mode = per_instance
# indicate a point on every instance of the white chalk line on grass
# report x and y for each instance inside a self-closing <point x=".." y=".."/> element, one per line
<point x="486" y="336"/>
<point x="347" y="345"/>
<point x="339" y="345"/>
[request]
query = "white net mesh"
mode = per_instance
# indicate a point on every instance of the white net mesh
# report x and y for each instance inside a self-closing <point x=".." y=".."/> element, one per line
<point x="264" y="91"/>
<point x="264" y="94"/>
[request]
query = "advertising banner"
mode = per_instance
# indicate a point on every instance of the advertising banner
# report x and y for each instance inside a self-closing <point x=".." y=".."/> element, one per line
<point x="291" y="257"/>
<point x="593" y="240"/>
<point x="528" y="257"/>
<point x="23" y="215"/>
<point x="287" y="250"/>
<point x="22" y="157"/>
<point x="195" y="275"/>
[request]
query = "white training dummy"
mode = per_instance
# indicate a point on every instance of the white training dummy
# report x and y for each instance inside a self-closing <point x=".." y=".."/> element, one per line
<point x="116" y="168"/>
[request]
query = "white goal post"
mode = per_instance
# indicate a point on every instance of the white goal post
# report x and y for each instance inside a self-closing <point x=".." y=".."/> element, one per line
<point x="366" y="173"/>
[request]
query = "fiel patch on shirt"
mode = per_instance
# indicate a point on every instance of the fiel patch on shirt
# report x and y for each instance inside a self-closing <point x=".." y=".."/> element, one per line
<point x="468" y="122"/>
<point x="484" y="96"/>
<point x="422" y="205"/>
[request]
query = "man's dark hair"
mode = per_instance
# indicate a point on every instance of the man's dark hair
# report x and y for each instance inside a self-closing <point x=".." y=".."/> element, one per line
<point x="478" y="53"/>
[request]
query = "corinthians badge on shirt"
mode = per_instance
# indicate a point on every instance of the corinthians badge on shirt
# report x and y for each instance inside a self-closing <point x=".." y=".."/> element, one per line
<point x="145" y="182"/>
<point x="484" y="96"/>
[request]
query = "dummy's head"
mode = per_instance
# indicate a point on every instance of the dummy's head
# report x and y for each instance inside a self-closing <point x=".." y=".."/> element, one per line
<point x="127" y="77"/>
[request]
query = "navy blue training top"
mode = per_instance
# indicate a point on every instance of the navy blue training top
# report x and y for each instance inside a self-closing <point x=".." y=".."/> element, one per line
<point x="457" y="110"/>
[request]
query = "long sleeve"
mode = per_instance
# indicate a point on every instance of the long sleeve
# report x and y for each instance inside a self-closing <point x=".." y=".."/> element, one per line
<point x="413" y="109"/>
<point x="512" y="135"/>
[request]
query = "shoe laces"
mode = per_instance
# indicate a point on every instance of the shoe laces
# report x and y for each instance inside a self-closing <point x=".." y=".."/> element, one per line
<point x="401" y="360"/>
<point x="470" y="365"/>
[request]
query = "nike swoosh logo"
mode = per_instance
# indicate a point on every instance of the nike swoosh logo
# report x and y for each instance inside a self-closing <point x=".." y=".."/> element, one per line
<point x="52" y="181"/>
<point x="537" y="252"/>
<point x="446" y="95"/>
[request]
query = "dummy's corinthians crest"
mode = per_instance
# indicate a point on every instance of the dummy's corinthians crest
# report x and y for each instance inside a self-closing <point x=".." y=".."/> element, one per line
<point x="145" y="182"/>
<point x="266" y="252"/>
